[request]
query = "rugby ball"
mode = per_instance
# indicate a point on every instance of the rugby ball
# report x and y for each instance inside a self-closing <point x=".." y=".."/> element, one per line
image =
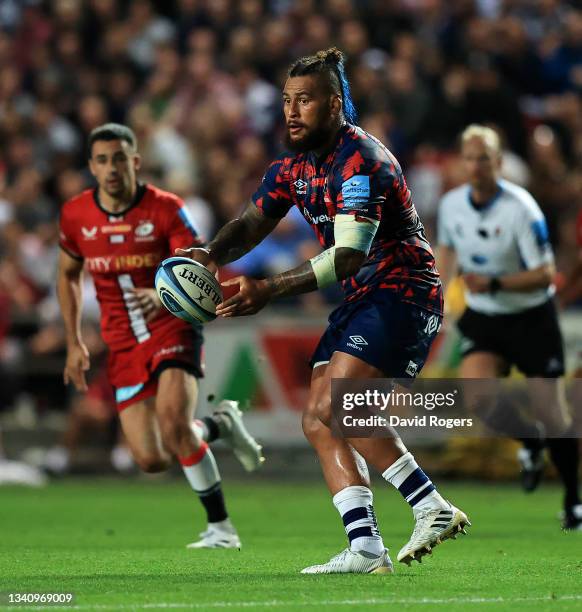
<point x="188" y="290"/>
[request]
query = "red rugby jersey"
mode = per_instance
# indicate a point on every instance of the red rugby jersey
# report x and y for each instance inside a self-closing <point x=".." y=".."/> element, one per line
<point x="122" y="251"/>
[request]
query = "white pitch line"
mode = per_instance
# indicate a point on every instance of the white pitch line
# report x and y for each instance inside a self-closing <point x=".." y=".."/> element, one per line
<point x="306" y="604"/>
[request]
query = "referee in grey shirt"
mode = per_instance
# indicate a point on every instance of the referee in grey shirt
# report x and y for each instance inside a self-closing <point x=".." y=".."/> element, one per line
<point x="493" y="233"/>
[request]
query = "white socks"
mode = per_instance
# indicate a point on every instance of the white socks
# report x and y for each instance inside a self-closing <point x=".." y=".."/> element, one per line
<point x="355" y="505"/>
<point x="202" y="473"/>
<point x="201" y="469"/>
<point x="414" y="485"/>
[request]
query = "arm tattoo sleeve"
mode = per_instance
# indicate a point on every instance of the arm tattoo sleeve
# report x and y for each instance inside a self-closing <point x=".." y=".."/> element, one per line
<point x="240" y="236"/>
<point x="299" y="280"/>
<point x="302" y="279"/>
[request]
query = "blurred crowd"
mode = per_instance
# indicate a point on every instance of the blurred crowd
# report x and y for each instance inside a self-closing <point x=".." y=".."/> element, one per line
<point x="199" y="81"/>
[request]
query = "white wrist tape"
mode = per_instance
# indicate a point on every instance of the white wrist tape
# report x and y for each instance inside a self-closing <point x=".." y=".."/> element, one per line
<point x="353" y="234"/>
<point x="349" y="233"/>
<point x="324" y="268"/>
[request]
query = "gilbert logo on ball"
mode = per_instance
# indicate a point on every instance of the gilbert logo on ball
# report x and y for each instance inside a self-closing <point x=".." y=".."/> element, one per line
<point x="188" y="289"/>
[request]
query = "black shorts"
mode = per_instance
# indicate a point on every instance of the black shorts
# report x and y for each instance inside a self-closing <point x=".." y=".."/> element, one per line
<point x="531" y="339"/>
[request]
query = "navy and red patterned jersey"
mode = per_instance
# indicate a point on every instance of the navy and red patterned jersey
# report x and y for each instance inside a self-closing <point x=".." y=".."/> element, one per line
<point x="122" y="251"/>
<point x="359" y="177"/>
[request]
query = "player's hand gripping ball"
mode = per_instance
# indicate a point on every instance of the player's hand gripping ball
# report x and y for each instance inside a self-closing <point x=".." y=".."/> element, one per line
<point x="188" y="289"/>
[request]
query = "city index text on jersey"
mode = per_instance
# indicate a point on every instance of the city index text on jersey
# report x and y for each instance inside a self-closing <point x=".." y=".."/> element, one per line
<point x="123" y="263"/>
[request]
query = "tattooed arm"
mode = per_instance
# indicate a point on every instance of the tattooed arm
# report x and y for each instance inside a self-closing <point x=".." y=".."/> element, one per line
<point x="302" y="279"/>
<point x="234" y="239"/>
<point x="240" y="236"/>
<point x="254" y="294"/>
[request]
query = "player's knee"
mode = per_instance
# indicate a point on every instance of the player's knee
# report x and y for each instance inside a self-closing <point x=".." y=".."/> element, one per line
<point x="100" y="419"/>
<point x="175" y="431"/>
<point x="320" y="408"/>
<point x="152" y="464"/>
<point x="312" y="426"/>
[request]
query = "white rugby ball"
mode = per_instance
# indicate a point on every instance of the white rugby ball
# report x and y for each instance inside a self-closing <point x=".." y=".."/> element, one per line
<point x="188" y="289"/>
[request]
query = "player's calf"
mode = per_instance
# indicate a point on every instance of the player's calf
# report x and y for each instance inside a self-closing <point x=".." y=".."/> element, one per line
<point x="178" y="435"/>
<point x="311" y="427"/>
<point x="318" y="409"/>
<point x="202" y="473"/>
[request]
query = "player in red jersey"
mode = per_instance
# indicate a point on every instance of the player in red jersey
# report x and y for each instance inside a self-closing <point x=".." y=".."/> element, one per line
<point x="119" y="232"/>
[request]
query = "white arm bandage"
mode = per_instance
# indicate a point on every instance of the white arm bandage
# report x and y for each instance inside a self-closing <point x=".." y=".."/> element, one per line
<point x="349" y="233"/>
<point x="353" y="234"/>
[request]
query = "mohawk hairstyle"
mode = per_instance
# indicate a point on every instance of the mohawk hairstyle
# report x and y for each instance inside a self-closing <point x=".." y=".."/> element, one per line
<point x="329" y="63"/>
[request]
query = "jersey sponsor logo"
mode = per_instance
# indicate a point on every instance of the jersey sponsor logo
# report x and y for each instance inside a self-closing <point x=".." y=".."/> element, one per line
<point x="318" y="219"/>
<point x="356" y="191"/>
<point x="357" y="342"/>
<point x="411" y="368"/>
<point x="479" y="259"/>
<point x="178" y="348"/>
<point x="99" y="264"/>
<point x="122" y="262"/>
<point x="144" y="229"/>
<point x="300" y="187"/>
<point x="89" y="233"/>
<point x="133" y="262"/>
<point x="120" y="228"/>
<point x="432" y="325"/>
<point x="116" y="238"/>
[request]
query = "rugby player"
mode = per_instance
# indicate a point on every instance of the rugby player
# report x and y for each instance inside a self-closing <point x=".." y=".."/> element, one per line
<point x="496" y="234"/>
<point x="352" y="191"/>
<point x="119" y="232"/>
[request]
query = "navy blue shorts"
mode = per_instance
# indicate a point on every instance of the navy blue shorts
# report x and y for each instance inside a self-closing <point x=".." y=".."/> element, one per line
<point x="382" y="330"/>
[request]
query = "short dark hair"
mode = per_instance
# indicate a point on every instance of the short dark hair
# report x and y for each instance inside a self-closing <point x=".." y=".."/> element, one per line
<point x="111" y="131"/>
<point x="330" y="64"/>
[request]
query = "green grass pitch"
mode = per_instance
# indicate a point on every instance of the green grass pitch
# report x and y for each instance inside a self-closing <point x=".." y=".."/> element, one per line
<point x="120" y="545"/>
